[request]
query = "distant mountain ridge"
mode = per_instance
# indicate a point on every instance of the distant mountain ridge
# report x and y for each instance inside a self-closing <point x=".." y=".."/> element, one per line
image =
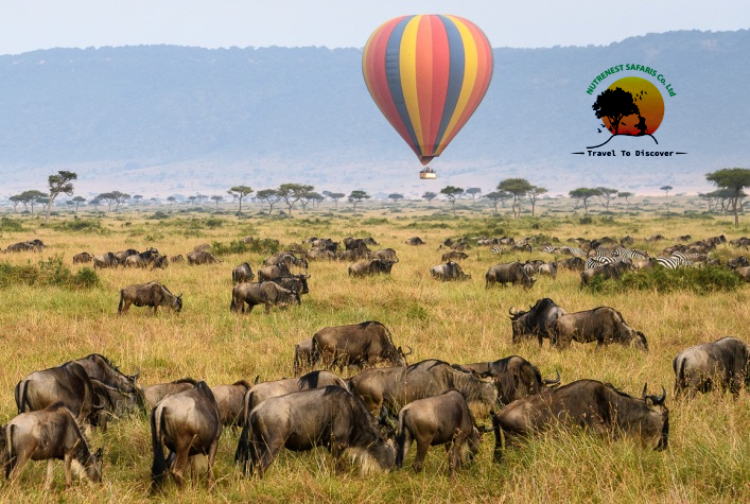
<point x="156" y="119"/>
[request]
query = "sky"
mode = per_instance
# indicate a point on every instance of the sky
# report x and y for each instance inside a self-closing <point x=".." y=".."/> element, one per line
<point x="27" y="25"/>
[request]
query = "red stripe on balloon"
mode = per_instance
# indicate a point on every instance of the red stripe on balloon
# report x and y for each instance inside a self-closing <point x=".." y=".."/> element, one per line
<point x="425" y="75"/>
<point x="441" y="74"/>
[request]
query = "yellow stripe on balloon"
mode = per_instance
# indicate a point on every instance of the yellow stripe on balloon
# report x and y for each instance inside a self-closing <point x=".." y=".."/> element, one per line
<point x="470" y="77"/>
<point x="408" y="68"/>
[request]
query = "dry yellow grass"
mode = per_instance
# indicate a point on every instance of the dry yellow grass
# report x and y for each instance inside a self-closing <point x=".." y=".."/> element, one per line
<point x="709" y="454"/>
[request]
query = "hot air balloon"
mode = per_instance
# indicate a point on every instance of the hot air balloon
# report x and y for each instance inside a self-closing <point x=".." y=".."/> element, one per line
<point x="427" y="74"/>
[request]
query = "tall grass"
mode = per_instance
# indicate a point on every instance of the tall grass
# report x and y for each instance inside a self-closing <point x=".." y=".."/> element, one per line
<point x="708" y="459"/>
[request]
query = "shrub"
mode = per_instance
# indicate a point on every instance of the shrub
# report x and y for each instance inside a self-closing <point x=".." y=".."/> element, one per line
<point x="8" y="224"/>
<point x="662" y="280"/>
<point x="51" y="272"/>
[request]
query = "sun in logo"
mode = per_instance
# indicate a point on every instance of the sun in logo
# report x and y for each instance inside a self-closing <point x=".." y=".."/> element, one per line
<point x="631" y="106"/>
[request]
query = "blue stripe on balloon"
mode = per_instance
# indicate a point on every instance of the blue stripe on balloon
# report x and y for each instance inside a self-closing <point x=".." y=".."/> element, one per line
<point x="455" y="78"/>
<point x="393" y="75"/>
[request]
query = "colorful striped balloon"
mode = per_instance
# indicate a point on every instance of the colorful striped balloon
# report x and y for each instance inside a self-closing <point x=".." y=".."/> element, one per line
<point x="427" y="74"/>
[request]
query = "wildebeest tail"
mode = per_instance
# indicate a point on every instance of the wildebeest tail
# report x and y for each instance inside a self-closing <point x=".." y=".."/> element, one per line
<point x="7" y="457"/>
<point x="241" y="455"/>
<point x="122" y="301"/>
<point x="21" y="395"/>
<point x="402" y="441"/>
<point x="315" y="355"/>
<point x="159" y="467"/>
<point x="679" y="371"/>
<point x="296" y="366"/>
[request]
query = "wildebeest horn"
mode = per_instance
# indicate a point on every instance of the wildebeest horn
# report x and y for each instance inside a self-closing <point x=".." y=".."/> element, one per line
<point x="553" y="382"/>
<point x="256" y="380"/>
<point x="645" y="391"/>
<point x="100" y="405"/>
<point x="660" y="400"/>
<point x="411" y="351"/>
<point x="512" y="311"/>
<point x="135" y="376"/>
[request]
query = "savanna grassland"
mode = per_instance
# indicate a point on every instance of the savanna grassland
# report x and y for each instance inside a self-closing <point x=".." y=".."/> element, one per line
<point x="50" y="322"/>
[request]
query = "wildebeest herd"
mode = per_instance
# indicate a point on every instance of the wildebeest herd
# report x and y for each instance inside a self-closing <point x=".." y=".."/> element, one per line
<point x="374" y="415"/>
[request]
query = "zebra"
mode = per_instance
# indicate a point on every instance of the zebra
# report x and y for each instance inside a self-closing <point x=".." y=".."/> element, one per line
<point x="593" y="262"/>
<point x="629" y="253"/>
<point x="550" y="249"/>
<point x="574" y="251"/>
<point x="497" y="249"/>
<point x="677" y="260"/>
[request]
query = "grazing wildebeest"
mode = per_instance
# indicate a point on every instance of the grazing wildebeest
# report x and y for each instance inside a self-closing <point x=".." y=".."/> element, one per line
<point x="738" y="262"/>
<point x="444" y="419"/>
<point x="149" y="294"/>
<point x="592" y="405"/>
<point x="603" y="325"/>
<point x="611" y="270"/>
<point x="155" y="393"/>
<point x="107" y="260"/>
<point x="360" y="345"/>
<point x="723" y="364"/>
<point x="83" y="257"/>
<point x="536" y="322"/>
<point x="176" y="259"/>
<point x="395" y="387"/>
<point x="531" y="267"/>
<point x="514" y="376"/>
<point x="295" y="283"/>
<point x="286" y="258"/>
<point x="230" y="400"/>
<point x="366" y="267"/>
<point x="454" y="255"/>
<point x="242" y="273"/>
<point x="449" y="271"/>
<point x="203" y="247"/>
<point x="202" y="257"/>
<point x="387" y="254"/>
<point x="274" y="271"/>
<point x="352" y="255"/>
<point x="415" y="240"/>
<point x="549" y="269"/>
<point x="98" y="367"/>
<point x="48" y="434"/>
<point x="117" y="403"/>
<point x="141" y="260"/>
<point x="321" y="255"/>
<point x="188" y="424"/>
<point x="512" y="273"/>
<point x="303" y="356"/>
<point x="68" y="383"/>
<point x="265" y="293"/>
<point x="300" y="421"/>
<point x="35" y="245"/>
<point x="124" y="254"/>
<point x="574" y="264"/>
<point x="744" y="273"/>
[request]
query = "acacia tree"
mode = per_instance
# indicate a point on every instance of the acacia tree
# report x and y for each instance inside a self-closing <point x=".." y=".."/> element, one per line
<point x="452" y="192"/>
<point x="357" y="197"/>
<point x="120" y="198"/>
<point x="429" y="196"/>
<point x="310" y="197"/>
<point x="32" y="197"/>
<point x="533" y="195"/>
<point x="217" y="199"/>
<point x="270" y="196"/>
<point x="137" y="198"/>
<point x="335" y="197"/>
<point x="16" y="200"/>
<point x="292" y="193"/>
<point x="58" y="184"/>
<point x="614" y="104"/>
<point x="584" y="194"/>
<point x="395" y="197"/>
<point x="607" y="194"/>
<point x="734" y="180"/>
<point x="79" y="200"/>
<point x="625" y="195"/>
<point x="519" y="188"/>
<point x="495" y="197"/>
<point x="240" y="192"/>
<point x="191" y="199"/>
<point x="473" y="191"/>
<point x="666" y="190"/>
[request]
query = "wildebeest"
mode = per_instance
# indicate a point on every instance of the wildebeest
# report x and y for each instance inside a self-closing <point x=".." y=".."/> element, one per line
<point x="415" y="240"/>
<point x="454" y="255"/>
<point x="188" y="424"/>
<point x="303" y="356"/>
<point x="512" y="273"/>
<point x="395" y="387"/>
<point x="295" y="283"/>
<point x="387" y="254"/>
<point x="152" y="394"/>
<point x="202" y="257"/>
<point x="35" y="245"/>
<point x="549" y="269"/>
<point x="108" y="260"/>
<point x="230" y="401"/>
<point x="203" y="247"/>
<point x="149" y="294"/>
<point x="83" y="257"/>
<point x="48" y="434"/>
<point x="514" y="376"/>
<point x="738" y="262"/>
<point x="449" y="271"/>
<point x="321" y="255"/>
<point x="300" y="421"/>
<point x="536" y="322"/>
<point x="141" y="260"/>
<point x="597" y="407"/>
<point x="365" y="267"/>
<point x="161" y="262"/>
<point x="573" y="263"/>
<point x="274" y="271"/>
<point x="603" y="325"/>
<point x="266" y="293"/>
<point x="611" y="270"/>
<point x="242" y="273"/>
<point x="723" y="364"/>
<point x="287" y="259"/>
<point x="68" y="383"/>
<point x="744" y="273"/>
<point x="124" y="254"/>
<point x="444" y="419"/>
<point x="361" y="345"/>
<point x="117" y="403"/>
<point x="176" y="259"/>
<point x="98" y="367"/>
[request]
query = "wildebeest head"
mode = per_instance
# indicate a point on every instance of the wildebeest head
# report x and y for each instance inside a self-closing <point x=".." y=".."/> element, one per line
<point x="177" y="303"/>
<point x="399" y="356"/>
<point x="534" y="321"/>
<point x="657" y="418"/>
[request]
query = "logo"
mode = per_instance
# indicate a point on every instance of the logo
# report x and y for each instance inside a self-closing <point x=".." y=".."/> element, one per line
<point x="632" y="107"/>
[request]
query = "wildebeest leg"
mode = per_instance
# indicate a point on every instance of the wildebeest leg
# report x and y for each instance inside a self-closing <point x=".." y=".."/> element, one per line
<point x="454" y="454"/>
<point x="180" y="463"/>
<point x="68" y="460"/>
<point x="268" y="454"/>
<point x="422" y="447"/>
<point x="125" y="307"/>
<point x="337" y="450"/>
<point x="18" y="462"/>
<point x="50" y="473"/>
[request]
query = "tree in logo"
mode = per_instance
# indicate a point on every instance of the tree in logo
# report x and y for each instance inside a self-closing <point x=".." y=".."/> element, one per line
<point x="614" y="104"/>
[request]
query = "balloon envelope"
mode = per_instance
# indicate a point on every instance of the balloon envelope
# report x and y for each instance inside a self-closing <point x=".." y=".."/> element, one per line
<point x="427" y="74"/>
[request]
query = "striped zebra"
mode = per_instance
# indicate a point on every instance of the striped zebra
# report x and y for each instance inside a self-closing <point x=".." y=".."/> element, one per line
<point x="677" y="260"/>
<point x="623" y="252"/>
<point x="497" y="249"/>
<point x="593" y="262"/>
<point x="550" y="249"/>
<point x="574" y="251"/>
